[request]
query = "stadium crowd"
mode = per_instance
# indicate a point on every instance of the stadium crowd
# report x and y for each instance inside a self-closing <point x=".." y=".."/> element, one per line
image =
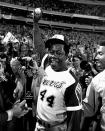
<point x="65" y="7"/>
<point x="88" y="40"/>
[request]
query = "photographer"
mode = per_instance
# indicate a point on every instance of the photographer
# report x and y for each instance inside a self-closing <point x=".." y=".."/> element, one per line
<point x="23" y="68"/>
<point x="28" y="64"/>
<point x="88" y="73"/>
<point x="10" y="109"/>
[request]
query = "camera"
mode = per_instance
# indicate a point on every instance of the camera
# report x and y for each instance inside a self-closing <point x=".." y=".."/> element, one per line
<point x="27" y="62"/>
<point x="86" y="67"/>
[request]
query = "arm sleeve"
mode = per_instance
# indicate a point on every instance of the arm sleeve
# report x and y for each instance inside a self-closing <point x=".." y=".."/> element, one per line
<point x="38" y="42"/>
<point x="3" y="117"/>
<point x="73" y="97"/>
<point x="10" y="115"/>
<point x="3" y="113"/>
<point x="90" y="103"/>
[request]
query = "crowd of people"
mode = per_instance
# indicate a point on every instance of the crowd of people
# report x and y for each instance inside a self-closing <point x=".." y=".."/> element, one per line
<point x="79" y="40"/>
<point x="61" y="91"/>
<point x="65" y="7"/>
<point x="67" y="12"/>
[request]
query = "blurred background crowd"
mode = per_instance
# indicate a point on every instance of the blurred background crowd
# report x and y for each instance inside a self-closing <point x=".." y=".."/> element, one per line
<point x="85" y="30"/>
<point x="79" y="7"/>
<point x="87" y="40"/>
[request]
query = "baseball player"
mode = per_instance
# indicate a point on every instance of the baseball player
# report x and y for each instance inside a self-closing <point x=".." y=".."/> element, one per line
<point x="59" y="98"/>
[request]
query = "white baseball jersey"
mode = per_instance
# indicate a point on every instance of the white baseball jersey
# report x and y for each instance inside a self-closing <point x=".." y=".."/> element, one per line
<point x="59" y="92"/>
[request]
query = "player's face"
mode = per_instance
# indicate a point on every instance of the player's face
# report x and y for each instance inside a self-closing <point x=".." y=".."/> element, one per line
<point x="100" y="57"/>
<point x="57" y="57"/>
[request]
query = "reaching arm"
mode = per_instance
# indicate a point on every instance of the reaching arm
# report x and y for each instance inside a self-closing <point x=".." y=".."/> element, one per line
<point x="18" y="110"/>
<point x="38" y="42"/>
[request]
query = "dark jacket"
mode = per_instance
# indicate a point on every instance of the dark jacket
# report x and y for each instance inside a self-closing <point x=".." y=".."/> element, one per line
<point x="6" y="103"/>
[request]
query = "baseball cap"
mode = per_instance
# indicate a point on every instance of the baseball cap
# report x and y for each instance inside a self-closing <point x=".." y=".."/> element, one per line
<point x="57" y="38"/>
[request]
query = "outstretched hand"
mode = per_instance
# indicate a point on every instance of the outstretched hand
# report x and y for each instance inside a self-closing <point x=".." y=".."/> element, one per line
<point x="20" y="109"/>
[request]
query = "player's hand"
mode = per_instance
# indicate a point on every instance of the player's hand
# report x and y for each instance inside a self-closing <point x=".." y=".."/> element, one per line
<point x="37" y="14"/>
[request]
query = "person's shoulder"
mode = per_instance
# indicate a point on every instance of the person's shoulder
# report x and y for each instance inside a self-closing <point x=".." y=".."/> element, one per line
<point x="100" y="77"/>
<point x="71" y="76"/>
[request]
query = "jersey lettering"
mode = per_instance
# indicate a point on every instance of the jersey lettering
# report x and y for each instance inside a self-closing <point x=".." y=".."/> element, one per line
<point x="52" y="83"/>
<point x="49" y="99"/>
